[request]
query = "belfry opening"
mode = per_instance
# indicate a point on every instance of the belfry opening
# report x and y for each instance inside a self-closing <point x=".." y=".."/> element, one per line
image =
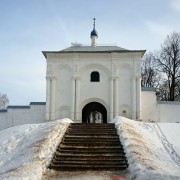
<point x="94" y="112"/>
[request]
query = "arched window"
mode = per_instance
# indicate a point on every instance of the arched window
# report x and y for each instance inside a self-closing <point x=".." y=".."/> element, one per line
<point x="95" y="77"/>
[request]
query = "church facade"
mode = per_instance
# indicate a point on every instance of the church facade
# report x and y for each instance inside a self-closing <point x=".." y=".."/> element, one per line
<point x="93" y="83"/>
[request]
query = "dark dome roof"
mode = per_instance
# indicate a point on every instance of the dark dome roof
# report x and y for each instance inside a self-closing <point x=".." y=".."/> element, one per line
<point x="94" y="32"/>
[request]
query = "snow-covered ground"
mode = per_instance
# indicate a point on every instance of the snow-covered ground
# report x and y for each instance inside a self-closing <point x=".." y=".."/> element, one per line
<point x="26" y="150"/>
<point x="152" y="150"/>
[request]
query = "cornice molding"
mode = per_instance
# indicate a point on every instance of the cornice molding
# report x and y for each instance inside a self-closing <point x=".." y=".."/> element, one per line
<point x="100" y="56"/>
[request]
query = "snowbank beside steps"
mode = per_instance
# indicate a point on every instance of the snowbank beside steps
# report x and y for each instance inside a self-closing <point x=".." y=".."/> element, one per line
<point x="149" y="155"/>
<point x="152" y="149"/>
<point x="26" y="150"/>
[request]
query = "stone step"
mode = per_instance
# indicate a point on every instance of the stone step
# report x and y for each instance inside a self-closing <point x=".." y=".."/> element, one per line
<point x="92" y="137"/>
<point x="90" y="147"/>
<point x="58" y="154"/>
<point x="88" y="157"/>
<point x="90" y="151"/>
<point x="79" y="167"/>
<point x="86" y="140"/>
<point x="92" y="143"/>
<point x="86" y="147"/>
<point x="93" y="124"/>
<point x="90" y="133"/>
<point x="115" y="162"/>
<point x="89" y="160"/>
<point x="92" y="129"/>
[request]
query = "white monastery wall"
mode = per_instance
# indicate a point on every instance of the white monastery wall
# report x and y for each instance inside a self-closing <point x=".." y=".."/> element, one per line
<point x="158" y="111"/>
<point x="149" y="111"/>
<point x="18" y="115"/>
<point x="168" y="112"/>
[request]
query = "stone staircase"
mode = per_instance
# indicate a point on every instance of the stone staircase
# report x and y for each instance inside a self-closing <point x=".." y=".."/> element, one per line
<point x="89" y="147"/>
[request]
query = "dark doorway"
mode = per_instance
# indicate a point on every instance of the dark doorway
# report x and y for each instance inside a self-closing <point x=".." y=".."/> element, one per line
<point x="94" y="112"/>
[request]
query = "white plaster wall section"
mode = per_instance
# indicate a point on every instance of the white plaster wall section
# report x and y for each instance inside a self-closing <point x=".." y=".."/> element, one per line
<point x="91" y="65"/>
<point x="95" y="89"/>
<point x="3" y="120"/>
<point x="148" y="106"/>
<point x="63" y="86"/>
<point x="169" y="112"/>
<point x="125" y="110"/>
<point x="19" y="116"/>
<point x="125" y="79"/>
<point x="96" y="56"/>
<point x="64" y="112"/>
<point x="55" y="57"/>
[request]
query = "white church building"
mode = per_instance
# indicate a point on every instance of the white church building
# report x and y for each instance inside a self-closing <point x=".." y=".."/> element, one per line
<point x="93" y="84"/>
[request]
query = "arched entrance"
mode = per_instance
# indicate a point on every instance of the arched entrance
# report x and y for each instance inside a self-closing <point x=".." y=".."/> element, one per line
<point x="94" y="112"/>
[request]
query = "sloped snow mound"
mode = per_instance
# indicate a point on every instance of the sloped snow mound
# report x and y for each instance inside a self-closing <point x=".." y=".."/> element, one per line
<point x="26" y="150"/>
<point x="146" y="154"/>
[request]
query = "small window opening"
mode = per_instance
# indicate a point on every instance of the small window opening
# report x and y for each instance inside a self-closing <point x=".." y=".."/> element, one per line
<point x="95" y="76"/>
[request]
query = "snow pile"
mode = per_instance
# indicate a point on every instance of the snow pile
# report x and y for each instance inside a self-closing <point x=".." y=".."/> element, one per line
<point x="146" y="150"/>
<point x="26" y="150"/>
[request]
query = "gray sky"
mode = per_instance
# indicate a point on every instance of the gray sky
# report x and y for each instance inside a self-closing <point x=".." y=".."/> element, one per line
<point x="28" y="27"/>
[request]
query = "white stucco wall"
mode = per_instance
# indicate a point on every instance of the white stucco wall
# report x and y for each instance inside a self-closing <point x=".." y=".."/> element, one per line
<point x="163" y="111"/>
<point x="168" y="112"/>
<point x="148" y="105"/>
<point x="18" y="116"/>
<point x="65" y="67"/>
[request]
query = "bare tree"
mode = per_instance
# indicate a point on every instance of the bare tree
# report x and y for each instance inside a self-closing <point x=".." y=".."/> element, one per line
<point x="149" y="75"/>
<point x="3" y="101"/>
<point x="169" y="66"/>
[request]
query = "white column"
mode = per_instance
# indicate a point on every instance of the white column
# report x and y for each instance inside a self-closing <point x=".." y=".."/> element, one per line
<point x="48" y="98"/>
<point x="53" y="97"/>
<point x="77" y="97"/>
<point x="116" y="96"/>
<point x="133" y="98"/>
<point x="138" y="96"/>
<point x="72" y="98"/>
<point x="111" y="98"/>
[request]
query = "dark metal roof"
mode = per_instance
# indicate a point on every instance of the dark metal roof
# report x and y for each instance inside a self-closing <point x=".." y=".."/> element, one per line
<point x="37" y="103"/>
<point x="18" y="107"/>
<point x="97" y="49"/>
<point x="3" y="110"/>
<point x="169" y="102"/>
<point x="148" y="89"/>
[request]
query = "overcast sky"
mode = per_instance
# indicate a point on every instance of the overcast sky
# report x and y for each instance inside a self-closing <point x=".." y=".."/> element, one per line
<point x="28" y="27"/>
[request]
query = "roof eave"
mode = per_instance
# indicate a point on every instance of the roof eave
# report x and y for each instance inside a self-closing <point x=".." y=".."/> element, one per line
<point x="121" y="51"/>
<point x="44" y="53"/>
